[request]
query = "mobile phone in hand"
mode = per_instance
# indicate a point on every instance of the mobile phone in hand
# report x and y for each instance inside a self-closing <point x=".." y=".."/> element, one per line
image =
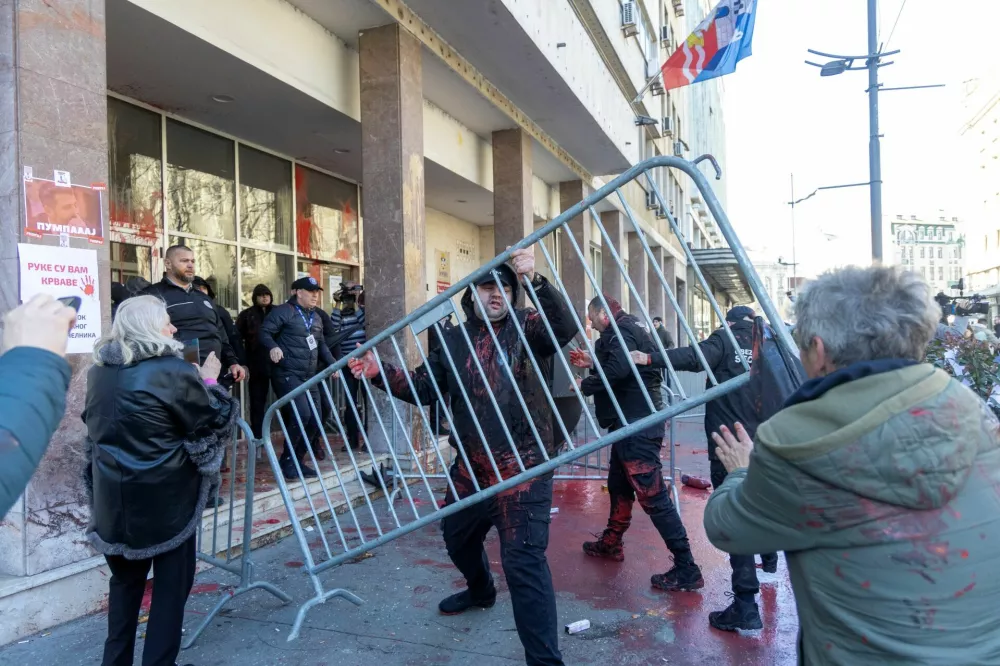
<point x="71" y="302"/>
<point x="192" y="352"/>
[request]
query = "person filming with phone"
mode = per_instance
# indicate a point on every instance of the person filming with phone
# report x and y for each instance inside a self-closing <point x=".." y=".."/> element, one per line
<point x="34" y="378"/>
<point x="157" y="428"/>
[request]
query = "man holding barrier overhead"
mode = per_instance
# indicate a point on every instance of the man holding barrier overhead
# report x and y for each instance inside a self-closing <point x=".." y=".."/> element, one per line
<point x="501" y="424"/>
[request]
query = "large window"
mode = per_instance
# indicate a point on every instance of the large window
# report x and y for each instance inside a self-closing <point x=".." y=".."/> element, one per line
<point x="701" y="316"/>
<point x="265" y="199"/>
<point x="135" y="159"/>
<point x="201" y="181"/>
<point x="251" y="217"/>
<point x="327" y="217"/>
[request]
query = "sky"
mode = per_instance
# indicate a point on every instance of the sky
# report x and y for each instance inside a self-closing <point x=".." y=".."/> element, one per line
<point x="782" y="118"/>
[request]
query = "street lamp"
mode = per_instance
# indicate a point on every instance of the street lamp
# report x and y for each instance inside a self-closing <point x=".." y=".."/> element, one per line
<point x="873" y="61"/>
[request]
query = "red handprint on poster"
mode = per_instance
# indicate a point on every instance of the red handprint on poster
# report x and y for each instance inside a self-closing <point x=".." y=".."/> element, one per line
<point x="87" y="285"/>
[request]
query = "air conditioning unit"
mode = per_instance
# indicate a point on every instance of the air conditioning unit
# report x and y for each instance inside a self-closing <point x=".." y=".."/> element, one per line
<point x="656" y="89"/>
<point x="651" y="202"/>
<point x="665" y="37"/>
<point x="667" y="126"/>
<point x="630" y="18"/>
<point x="661" y="213"/>
<point x="678" y="7"/>
<point x="678" y="149"/>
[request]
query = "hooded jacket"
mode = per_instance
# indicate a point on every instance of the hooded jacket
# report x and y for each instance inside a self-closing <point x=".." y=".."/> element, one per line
<point x="349" y="320"/>
<point x="285" y="327"/>
<point x="155" y="439"/>
<point x="527" y="380"/>
<point x="248" y="325"/>
<point x="721" y="356"/>
<point x="882" y="488"/>
<point x="618" y="372"/>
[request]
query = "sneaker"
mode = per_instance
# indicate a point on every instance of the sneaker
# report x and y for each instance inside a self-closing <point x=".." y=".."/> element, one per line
<point x="739" y="616"/>
<point x="769" y="563"/>
<point x="290" y="474"/>
<point x="608" y="546"/>
<point x="463" y="601"/>
<point x="681" y="578"/>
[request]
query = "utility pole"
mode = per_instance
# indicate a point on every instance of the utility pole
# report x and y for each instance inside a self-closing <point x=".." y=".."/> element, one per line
<point x="874" y="142"/>
<point x="795" y="262"/>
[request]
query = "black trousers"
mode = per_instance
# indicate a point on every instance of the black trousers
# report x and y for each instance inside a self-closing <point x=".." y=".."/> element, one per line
<point x="259" y="384"/>
<point x="635" y="472"/>
<point x="522" y="518"/>
<point x="356" y="393"/>
<point x="744" y="566"/>
<point x="283" y="385"/>
<point x="173" y="575"/>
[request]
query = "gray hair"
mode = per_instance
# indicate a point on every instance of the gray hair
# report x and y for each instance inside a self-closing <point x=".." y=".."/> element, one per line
<point x="137" y="330"/>
<point x="864" y="314"/>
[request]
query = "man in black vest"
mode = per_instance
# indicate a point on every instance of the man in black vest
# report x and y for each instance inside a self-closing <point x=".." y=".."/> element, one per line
<point x="294" y="335"/>
<point x="635" y="471"/>
<point x="349" y="321"/>
<point x="192" y="312"/>
<point x="727" y="410"/>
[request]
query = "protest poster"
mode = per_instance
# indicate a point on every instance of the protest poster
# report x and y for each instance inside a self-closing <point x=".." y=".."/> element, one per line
<point x="60" y="272"/>
<point x="57" y="208"/>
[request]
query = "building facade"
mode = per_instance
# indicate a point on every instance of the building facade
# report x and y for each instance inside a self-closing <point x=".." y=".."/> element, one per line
<point x="980" y="136"/>
<point x="398" y="143"/>
<point x="932" y="246"/>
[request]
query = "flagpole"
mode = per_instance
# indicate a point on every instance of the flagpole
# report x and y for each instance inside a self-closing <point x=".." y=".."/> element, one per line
<point x="645" y="88"/>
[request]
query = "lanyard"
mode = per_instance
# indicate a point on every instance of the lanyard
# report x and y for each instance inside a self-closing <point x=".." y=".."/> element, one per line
<point x="308" y="324"/>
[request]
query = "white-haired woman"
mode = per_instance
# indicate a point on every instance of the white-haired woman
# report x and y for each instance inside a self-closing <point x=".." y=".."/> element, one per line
<point x="157" y="428"/>
<point x="879" y="479"/>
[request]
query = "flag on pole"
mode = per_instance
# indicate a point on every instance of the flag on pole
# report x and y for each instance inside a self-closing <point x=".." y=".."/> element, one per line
<point x="713" y="49"/>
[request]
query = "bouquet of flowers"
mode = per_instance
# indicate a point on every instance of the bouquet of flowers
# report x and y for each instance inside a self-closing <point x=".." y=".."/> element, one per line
<point x="974" y="362"/>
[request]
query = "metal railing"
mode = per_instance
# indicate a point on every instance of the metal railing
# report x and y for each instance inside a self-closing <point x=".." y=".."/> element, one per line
<point x="506" y="425"/>
<point x="229" y="555"/>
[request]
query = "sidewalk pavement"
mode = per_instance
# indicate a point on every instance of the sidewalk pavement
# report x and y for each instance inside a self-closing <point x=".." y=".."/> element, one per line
<point x="402" y="582"/>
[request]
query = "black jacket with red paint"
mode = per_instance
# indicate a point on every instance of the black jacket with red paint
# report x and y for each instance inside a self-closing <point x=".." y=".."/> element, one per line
<point x="725" y="363"/>
<point x="528" y="382"/>
<point x="619" y="374"/>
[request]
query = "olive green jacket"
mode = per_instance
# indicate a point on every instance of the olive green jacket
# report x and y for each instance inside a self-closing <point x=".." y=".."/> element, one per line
<point x="884" y="493"/>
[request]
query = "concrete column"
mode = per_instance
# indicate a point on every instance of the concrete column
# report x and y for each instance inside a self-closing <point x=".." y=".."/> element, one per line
<point x="657" y="296"/>
<point x="638" y="268"/>
<point x="392" y="145"/>
<point x="53" y="116"/>
<point x="669" y="314"/>
<point x="513" y="215"/>
<point x="682" y="298"/>
<point x="614" y="282"/>
<point x="578" y="286"/>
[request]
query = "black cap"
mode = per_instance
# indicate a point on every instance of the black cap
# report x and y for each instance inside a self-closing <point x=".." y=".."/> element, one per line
<point x="739" y="313"/>
<point x="307" y="283"/>
<point x="504" y="273"/>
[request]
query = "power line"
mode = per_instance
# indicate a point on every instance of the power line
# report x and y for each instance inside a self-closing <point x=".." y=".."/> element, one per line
<point x="893" y="31"/>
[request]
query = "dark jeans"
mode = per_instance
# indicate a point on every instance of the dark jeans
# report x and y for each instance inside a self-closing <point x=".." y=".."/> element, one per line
<point x="637" y="473"/>
<point x="173" y="575"/>
<point x="259" y="385"/>
<point x="522" y="518"/>
<point x="356" y="393"/>
<point x="744" y="566"/>
<point x="283" y="385"/>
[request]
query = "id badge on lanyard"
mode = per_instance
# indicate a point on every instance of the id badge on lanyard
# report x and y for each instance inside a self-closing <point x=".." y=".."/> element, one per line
<point x="310" y="338"/>
<point x="311" y="341"/>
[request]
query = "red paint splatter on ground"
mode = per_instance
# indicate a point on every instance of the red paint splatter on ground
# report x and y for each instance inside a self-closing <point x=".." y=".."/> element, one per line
<point x="964" y="554"/>
<point x="421" y="589"/>
<point x="829" y="646"/>
<point x="866" y="584"/>
<point x="435" y="564"/>
<point x="815" y="524"/>
<point x="293" y="564"/>
<point x="838" y="572"/>
<point x="864" y="639"/>
<point x="965" y="590"/>
<point x="205" y="588"/>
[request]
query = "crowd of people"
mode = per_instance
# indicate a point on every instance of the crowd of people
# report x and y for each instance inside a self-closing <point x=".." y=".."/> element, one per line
<point x="877" y="478"/>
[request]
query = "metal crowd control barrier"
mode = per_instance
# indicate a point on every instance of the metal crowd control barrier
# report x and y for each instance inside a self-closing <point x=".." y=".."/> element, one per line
<point x="227" y="555"/>
<point x="344" y="519"/>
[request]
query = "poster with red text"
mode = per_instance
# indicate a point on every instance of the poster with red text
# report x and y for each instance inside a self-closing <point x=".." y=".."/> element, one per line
<point x="64" y="271"/>
<point x="53" y="209"/>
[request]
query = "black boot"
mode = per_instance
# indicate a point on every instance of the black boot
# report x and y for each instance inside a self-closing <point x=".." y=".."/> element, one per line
<point x="464" y="600"/>
<point x="769" y="563"/>
<point x="289" y="472"/>
<point x="609" y="547"/>
<point x="684" y="576"/>
<point x="740" y="615"/>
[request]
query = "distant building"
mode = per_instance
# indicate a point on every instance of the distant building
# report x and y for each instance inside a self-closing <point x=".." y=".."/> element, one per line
<point x="981" y="138"/>
<point x="932" y="246"/>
